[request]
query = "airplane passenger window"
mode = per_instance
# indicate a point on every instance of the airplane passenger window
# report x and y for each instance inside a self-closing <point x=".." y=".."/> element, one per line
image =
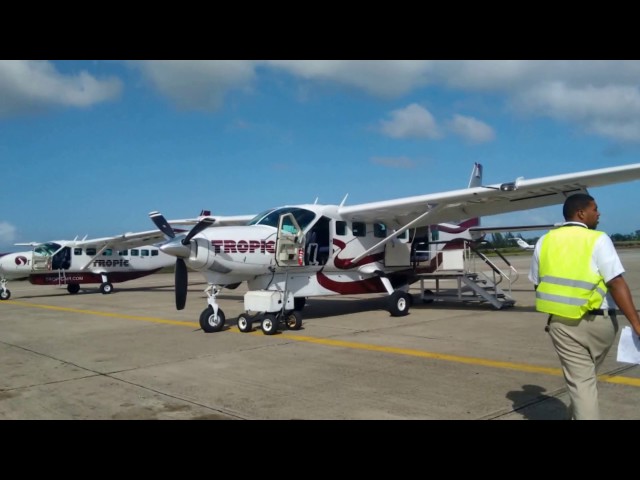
<point x="379" y="230"/>
<point x="123" y="253"/>
<point x="135" y="252"/>
<point x="107" y="252"/>
<point x="359" y="229"/>
<point x="341" y="227"/>
<point x="154" y="253"/>
<point x="77" y="251"/>
<point x="144" y="252"/>
<point x="90" y="251"/>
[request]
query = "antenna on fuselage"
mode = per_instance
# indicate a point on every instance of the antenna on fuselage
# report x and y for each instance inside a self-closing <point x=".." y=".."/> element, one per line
<point x="344" y="199"/>
<point x="315" y="202"/>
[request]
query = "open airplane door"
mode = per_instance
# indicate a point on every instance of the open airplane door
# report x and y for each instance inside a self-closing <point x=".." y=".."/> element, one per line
<point x="289" y="242"/>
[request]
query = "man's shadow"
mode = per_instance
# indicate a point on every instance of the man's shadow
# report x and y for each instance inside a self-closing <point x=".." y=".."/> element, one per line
<point x="534" y="405"/>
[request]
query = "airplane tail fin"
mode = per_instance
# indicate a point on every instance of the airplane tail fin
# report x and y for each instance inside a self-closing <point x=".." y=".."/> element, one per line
<point x="476" y="176"/>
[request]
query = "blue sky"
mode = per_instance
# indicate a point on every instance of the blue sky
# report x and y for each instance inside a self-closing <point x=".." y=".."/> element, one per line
<point x="91" y="147"/>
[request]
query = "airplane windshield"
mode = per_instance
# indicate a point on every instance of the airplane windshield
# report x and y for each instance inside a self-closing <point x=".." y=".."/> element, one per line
<point x="47" y="249"/>
<point x="270" y="217"/>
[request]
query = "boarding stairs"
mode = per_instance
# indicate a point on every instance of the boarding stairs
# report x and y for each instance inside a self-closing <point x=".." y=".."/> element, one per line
<point x="461" y="268"/>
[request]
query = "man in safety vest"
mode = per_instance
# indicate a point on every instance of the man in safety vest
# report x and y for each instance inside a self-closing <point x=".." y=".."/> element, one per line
<point x="578" y="276"/>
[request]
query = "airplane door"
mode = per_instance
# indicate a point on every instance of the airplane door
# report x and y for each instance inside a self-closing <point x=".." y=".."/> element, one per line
<point x="397" y="252"/>
<point x="289" y="242"/>
<point x="62" y="259"/>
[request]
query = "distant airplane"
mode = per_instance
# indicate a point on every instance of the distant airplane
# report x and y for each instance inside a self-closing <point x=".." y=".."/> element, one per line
<point x="523" y="244"/>
<point x="293" y="252"/>
<point x="103" y="261"/>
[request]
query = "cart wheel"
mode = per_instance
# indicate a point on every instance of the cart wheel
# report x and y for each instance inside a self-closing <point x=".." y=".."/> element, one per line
<point x="244" y="324"/>
<point x="269" y="324"/>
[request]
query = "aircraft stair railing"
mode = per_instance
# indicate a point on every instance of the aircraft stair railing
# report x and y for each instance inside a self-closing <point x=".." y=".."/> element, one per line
<point x="62" y="277"/>
<point x="498" y="275"/>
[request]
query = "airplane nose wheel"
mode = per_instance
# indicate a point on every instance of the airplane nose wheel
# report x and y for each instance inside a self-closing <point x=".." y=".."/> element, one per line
<point x="5" y="294"/>
<point x="209" y="322"/>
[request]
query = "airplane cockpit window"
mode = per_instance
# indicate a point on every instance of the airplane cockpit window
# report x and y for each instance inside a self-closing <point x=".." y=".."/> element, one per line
<point x="271" y="217"/>
<point x="46" y="249"/>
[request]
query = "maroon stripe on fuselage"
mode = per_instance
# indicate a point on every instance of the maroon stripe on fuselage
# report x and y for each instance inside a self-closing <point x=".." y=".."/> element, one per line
<point x="369" y="285"/>
<point x="86" y="277"/>
<point x="345" y="263"/>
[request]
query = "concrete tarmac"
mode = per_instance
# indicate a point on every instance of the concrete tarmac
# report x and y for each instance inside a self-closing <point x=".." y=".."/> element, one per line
<point x="132" y="355"/>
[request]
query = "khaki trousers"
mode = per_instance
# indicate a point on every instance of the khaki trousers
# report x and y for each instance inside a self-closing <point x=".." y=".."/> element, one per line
<point x="582" y="346"/>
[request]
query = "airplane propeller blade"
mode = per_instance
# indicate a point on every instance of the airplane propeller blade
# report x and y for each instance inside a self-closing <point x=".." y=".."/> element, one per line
<point x="200" y="226"/>
<point x="181" y="282"/>
<point x="162" y="224"/>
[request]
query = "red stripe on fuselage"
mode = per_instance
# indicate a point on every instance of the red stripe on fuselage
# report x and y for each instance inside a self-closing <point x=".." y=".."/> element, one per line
<point x="368" y="285"/>
<point x="85" y="277"/>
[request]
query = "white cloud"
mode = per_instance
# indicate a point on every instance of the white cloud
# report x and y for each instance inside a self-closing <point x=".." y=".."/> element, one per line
<point x="398" y="162"/>
<point x="413" y="121"/>
<point x="7" y="232"/>
<point x="599" y="96"/>
<point x="197" y="84"/>
<point x="384" y="78"/>
<point x="471" y="129"/>
<point x="28" y="86"/>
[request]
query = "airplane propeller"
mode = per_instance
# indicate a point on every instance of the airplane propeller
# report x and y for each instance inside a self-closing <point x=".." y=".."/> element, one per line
<point x="180" y="248"/>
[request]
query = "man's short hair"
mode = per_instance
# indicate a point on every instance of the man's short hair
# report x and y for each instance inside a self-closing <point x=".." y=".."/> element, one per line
<point x="572" y="204"/>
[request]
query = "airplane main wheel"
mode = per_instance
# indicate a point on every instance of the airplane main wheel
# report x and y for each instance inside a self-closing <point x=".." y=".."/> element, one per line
<point x="269" y="324"/>
<point x="299" y="303"/>
<point x="73" y="288"/>
<point x="293" y="320"/>
<point x="399" y="303"/>
<point x="428" y="300"/>
<point x="106" y="288"/>
<point x="210" y="322"/>
<point x="5" y="294"/>
<point x="244" y="324"/>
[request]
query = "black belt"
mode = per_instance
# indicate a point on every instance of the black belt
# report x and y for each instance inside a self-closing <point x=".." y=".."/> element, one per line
<point x="599" y="311"/>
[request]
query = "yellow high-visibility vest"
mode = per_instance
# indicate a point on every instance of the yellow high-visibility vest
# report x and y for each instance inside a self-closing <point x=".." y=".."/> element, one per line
<point x="568" y="286"/>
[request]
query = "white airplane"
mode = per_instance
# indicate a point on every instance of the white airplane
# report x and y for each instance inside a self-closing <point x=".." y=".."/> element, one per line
<point x="103" y="261"/>
<point x="523" y="244"/>
<point x="289" y="253"/>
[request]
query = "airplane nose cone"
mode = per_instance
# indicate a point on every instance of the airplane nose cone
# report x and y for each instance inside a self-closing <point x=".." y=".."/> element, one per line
<point x="176" y="248"/>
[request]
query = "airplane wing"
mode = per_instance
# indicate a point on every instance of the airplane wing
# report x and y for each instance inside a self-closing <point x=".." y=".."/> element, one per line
<point x="456" y="205"/>
<point x="218" y="220"/>
<point x="514" y="228"/>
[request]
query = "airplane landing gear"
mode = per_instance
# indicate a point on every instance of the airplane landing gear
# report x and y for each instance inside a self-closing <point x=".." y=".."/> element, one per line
<point x="399" y="303"/>
<point x="73" y="288"/>
<point x="212" y="318"/>
<point x="5" y="294"/>
<point x="210" y="321"/>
